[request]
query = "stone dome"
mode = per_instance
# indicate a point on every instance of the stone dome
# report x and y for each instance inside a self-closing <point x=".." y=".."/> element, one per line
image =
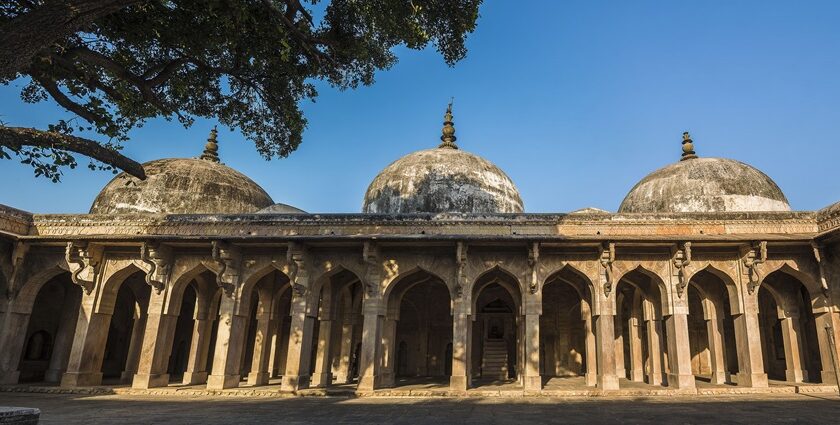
<point x="183" y="186"/>
<point x="281" y="209"/>
<point x="705" y="185"/>
<point x="441" y="180"/>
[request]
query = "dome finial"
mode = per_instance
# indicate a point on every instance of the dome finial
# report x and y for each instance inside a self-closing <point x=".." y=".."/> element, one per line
<point x="211" y="149"/>
<point x="688" y="147"/>
<point x="448" y="138"/>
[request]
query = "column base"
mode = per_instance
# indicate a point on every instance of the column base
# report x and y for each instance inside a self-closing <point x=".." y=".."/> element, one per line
<point x="194" y="378"/>
<point x="386" y="380"/>
<point x="258" y="378"/>
<point x="127" y="376"/>
<point x="220" y="382"/>
<point x="532" y="383"/>
<point x="81" y="379"/>
<point x="458" y="383"/>
<point x="53" y="375"/>
<point x="637" y="375"/>
<point x="681" y="382"/>
<point x="143" y="381"/>
<point x="754" y="380"/>
<point x="294" y="383"/>
<point x="656" y="379"/>
<point x="828" y="377"/>
<point x="798" y="376"/>
<point x="591" y="379"/>
<point x="10" y="378"/>
<point x="366" y="383"/>
<point x="719" y="378"/>
<point x="321" y="380"/>
<point x="607" y="383"/>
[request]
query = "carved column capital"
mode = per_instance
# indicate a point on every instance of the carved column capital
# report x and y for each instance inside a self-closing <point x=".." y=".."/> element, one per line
<point x="159" y="259"/>
<point x="229" y="259"/>
<point x="84" y="260"/>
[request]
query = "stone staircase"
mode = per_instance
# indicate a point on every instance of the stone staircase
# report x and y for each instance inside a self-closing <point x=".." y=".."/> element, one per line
<point x="495" y="361"/>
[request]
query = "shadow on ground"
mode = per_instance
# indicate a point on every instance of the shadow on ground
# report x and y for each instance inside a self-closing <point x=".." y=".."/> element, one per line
<point x="129" y="409"/>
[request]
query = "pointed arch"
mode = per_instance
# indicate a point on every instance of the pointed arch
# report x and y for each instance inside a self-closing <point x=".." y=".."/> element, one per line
<point x="731" y="288"/>
<point x="583" y="286"/>
<point x="508" y="281"/>
<point x="111" y="286"/>
<point x="815" y="291"/>
<point x="397" y="283"/>
<point x="25" y="299"/>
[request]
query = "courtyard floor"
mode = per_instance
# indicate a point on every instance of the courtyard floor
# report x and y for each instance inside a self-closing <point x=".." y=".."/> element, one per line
<point x="207" y="410"/>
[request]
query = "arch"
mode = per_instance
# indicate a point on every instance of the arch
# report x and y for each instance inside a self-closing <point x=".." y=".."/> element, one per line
<point x="179" y="285"/>
<point x="727" y="280"/>
<point x="508" y="281"/>
<point x="647" y="289"/>
<point x="815" y="291"/>
<point x="390" y="296"/>
<point x="112" y="285"/>
<point x="566" y="347"/>
<point x="247" y="287"/>
<point x="583" y="291"/>
<point x="25" y="298"/>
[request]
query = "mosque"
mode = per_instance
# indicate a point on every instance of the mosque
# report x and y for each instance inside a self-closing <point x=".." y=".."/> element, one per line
<point x="704" y="279"/>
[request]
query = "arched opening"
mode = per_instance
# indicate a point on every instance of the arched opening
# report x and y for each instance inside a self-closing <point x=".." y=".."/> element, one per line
<point x="424" y="325"/>
<point x="711" y="329"/>
<point x="564" y="339"/>
<point x="49" y="334"/>
<point x="126" y="329"/>
<point x="268" y="304"/>
<point x="185" y="327"/>
<point x="497" y="329"/>
<point x="790" y="348"/>
<point x="641" y="352"/>
<point x="338" y="330"/>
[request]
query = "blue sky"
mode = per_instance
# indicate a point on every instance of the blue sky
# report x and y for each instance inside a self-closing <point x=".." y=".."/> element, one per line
<point x="575" y="100"/>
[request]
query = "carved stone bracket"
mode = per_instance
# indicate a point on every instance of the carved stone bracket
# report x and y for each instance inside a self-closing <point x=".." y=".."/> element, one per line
<point x="461" y="281"/>
<point x="755" y="256"/>
<point x="84" y="260"/>
<point x="818" y="256"/>
<point x="159" y="259"/>
<point x="370" y="257"/>
<point x="607" y="258"/>
<point x="682" y="259"/>
<point x="18" y="259"/>
<point x="534" y="264"/>
<point x="298" y="274"/>
<point x="229" y="258"/>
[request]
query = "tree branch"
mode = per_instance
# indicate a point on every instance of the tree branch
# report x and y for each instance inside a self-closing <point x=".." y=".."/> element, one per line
<point x="65" y="102"/>
<point x="15" y="138"/>
<point x="26" y="35"/>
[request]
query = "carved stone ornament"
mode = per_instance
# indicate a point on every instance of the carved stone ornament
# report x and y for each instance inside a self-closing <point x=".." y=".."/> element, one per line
<point x="607" y="257"/>
<point x="84" y="260"/>
<point x="754" y="257"/>
<point x="370" y="257"/>
<point x="461" y="252"/>
<point x="18" y="259"/>
<point x="534" y="264"/>
<point x="159" y="259"/>
<point x="228" y="258"/>
<point x="682" y="259"/>
<point x="818" y="256"/>
<point x="295" y="256"/>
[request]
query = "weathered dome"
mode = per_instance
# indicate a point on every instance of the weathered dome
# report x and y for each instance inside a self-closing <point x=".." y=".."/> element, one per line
<point x="705" y="185"/>
<point x="281" y="209"/>
<point x="444" y="179"/>
<point x="183" y="186"/>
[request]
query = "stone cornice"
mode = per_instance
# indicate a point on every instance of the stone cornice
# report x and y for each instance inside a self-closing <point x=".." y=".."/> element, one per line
<point x="660" y="227"/>
<point x="14" y="222"/>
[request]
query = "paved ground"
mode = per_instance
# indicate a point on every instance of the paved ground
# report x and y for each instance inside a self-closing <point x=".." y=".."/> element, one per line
<point x="125" y="410"/>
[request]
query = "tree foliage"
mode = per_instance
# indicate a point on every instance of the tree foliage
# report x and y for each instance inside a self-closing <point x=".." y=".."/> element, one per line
<point x="246" y="63"/>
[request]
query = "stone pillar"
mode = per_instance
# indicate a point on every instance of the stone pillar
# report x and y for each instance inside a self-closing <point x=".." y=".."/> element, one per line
<point x="532" y="378"/>
<point x="12" y="341"/>
<point x="654" y="332"/>
<point x="230" y="341"/>
<point x="84" y="368"/>
<point x="714" y="327"/>
<point x="794" y="356"/>
<point x="679" y="352"/>
<point x="830" y="321"/>
<point x="605" y="347"/>
<point x="371" y="345"/>
<point x="342" y="375"/>
<point x="323" y="358"/>
<point x="460" y="379"/>
<point x="196" y="372"/>
<point x="276" y="350"/>
<point x="748" y="339"/>
<point x="262" y="344"/>
<point x="135" y="348"/>
<point x="157" y="344"/>
<point x="299" y="354"/>
<point x="591" y="352"/>
<point x="620" y="370"/>
<point x="389" y="344"/>
<point x="637" y="369"/>
<point x="64" y="337"/>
